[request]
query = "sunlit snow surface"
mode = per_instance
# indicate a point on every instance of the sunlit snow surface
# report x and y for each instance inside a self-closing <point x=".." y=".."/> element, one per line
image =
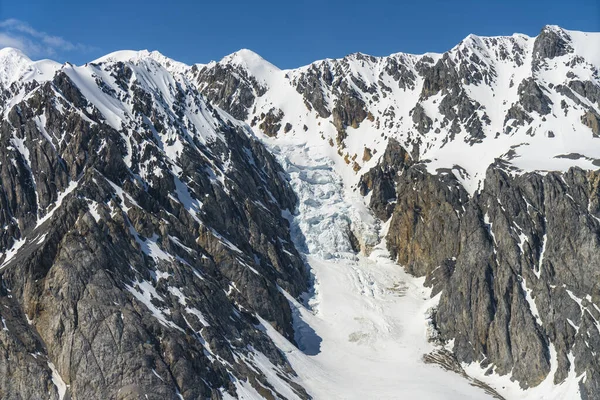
<point x="537" y="146"/>
<point x="363" y="331"/>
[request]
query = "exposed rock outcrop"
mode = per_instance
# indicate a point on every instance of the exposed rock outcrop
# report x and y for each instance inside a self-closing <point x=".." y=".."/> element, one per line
<point x="550" y="43"/>
<point x="228" y="87"/>
<point x="515" y="263"/>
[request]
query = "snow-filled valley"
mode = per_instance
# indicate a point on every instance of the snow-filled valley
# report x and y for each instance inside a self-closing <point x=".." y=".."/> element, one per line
<point x="363" y="331"/>
<point x="355" y="314"/>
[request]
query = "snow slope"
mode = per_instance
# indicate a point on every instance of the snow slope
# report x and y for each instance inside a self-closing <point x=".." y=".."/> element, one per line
<point x="363" y="332"/>
<point x="174" y="160"/>
<point x="15" y="66"/>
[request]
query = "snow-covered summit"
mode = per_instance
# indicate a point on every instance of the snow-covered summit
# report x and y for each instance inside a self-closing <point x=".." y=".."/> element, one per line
<point x="151" y="133"/>
<point x="529" y="101"/>
<point x="250" y="61"/>
<point x="247" y="58"/>
<point x="15" y="66"/>
<point x="126" y="151"/>
<point x="138" y="55"/>
<point x="13" y="63"/>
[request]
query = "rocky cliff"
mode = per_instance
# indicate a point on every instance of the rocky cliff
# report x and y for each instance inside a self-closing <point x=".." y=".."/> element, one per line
<point x="516" y="264"/>
<point x="142" y="233"/>
<point x="529" y="101"/>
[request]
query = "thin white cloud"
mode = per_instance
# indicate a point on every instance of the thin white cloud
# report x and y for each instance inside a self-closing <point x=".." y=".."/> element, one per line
<point x="34" y="43"/>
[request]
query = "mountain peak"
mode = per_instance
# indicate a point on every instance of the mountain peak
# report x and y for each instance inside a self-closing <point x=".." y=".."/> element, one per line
<point x="13" y="52"/>
<point x="248" y="59"/>
<point x="138" y="55"/>
<point x="552" y="28"/>
<point x="13" y="64"/>
<point x="173" y="202"/>
<point x="243" y="55"/>
<point x="122" y="56"/>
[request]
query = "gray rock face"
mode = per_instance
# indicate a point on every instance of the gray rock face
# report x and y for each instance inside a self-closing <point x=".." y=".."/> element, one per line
<point x="532" y="98"/>
<point x="23" y="363"/>
<point x="458" y="107"/>
<point x="309" y="86"/>
<point x="228" y="87"/>
<point x="142" y="231"/>
<point x="421" y="120"/>
<point x="270" y="123"/>
<point x="550" y="43"/>
<point x="591" y="119"/>
<point x="399" y="71"/>
<point x="481" y="89"/>
<point x="137" y="256"/>
<point x="349" y="110"/>
<point x="439" y="77"/>
<point x="517" y="265"/>
<point x="380" y="181"/>
<point x="586" y="89"/>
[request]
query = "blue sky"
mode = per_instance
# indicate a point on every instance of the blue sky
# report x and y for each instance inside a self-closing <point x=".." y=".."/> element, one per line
<point x="287" y="33"/>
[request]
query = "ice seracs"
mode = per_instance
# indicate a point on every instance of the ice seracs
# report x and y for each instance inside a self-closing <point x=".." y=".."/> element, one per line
<point x="488" y="101"/>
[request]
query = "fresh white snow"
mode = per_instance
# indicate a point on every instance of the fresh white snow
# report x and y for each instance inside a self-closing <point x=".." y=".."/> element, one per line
<point x="145" y="292"/>
<point x="14" y="66"/>
<point x="10" y="253"/>
<point x="61" y="386"/>
<point x="568" y="389"/>
<point x="363" y="330"/>
<point x="61" y="196"/>
<point x="533" y="146"/>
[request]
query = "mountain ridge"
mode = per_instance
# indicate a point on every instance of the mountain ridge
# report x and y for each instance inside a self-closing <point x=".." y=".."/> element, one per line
<point x="200" y="203"/>
<point x="357" y="88"/>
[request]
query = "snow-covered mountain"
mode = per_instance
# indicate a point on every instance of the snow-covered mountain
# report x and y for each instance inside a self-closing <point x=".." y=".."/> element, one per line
<point x="142" y="229"/>
<point x="236" y="230"/>
<point x="481" y="161"/>
<point x="524" y="100"/>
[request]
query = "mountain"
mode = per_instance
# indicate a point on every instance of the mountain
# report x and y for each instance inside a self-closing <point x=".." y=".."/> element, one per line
<point x="236" y="230"/>
<point x="489" y="97"/>
<point x="484" y="161"/>
<point x="142" y="229"/>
